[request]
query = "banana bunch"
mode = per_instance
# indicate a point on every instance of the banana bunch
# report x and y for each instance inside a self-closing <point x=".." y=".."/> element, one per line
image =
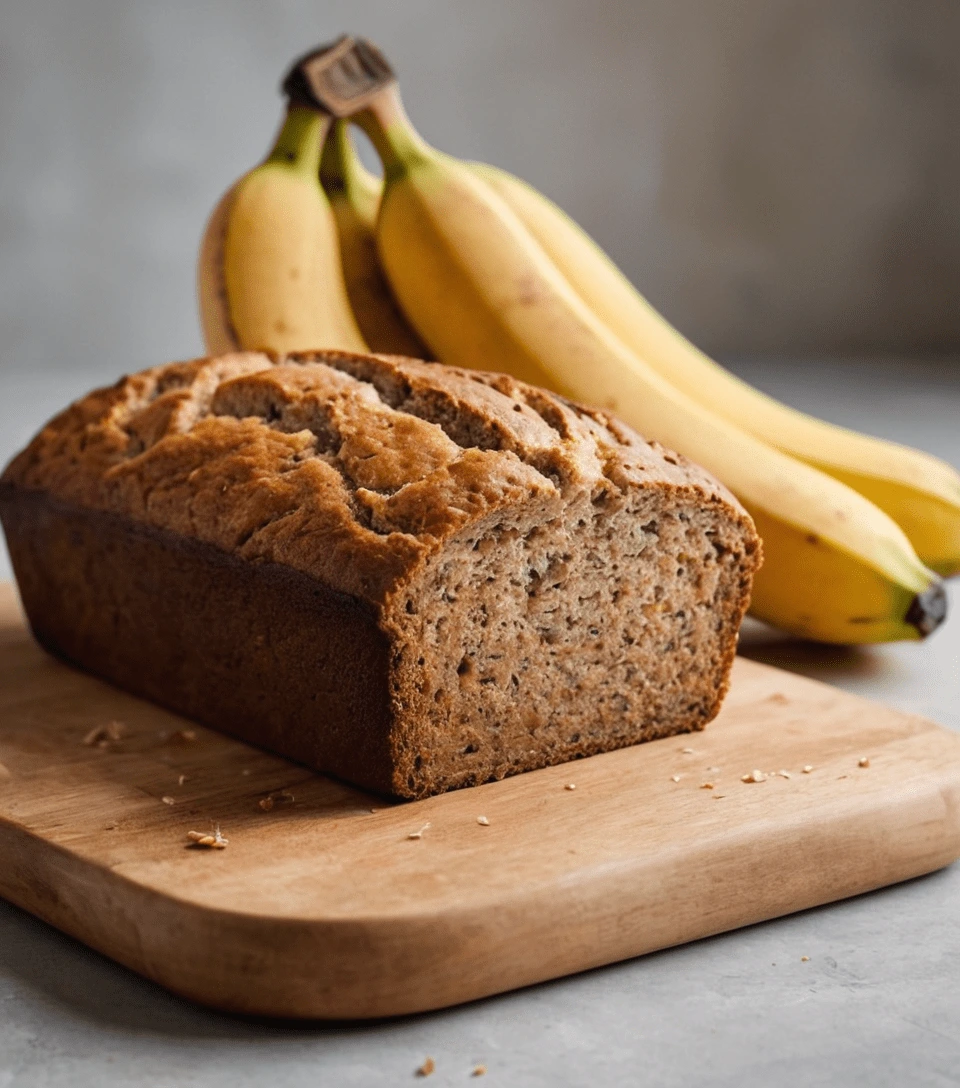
<point x="487" y="273"/>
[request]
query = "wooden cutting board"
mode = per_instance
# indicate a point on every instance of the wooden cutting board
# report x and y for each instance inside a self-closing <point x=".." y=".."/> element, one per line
<point x="324" y="904"/>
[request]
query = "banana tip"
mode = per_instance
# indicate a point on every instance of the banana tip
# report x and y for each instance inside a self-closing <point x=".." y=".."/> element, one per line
<point x="928" y="609"/>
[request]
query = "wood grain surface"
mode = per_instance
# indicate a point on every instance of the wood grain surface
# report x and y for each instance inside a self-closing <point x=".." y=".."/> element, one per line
<point x="323" y="905"/>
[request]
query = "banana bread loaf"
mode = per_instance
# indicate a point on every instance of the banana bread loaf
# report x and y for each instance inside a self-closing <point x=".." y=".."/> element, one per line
<point x="412" y="577"/>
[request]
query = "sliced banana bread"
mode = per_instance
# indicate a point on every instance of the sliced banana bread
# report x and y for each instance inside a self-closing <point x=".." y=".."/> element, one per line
<point x="409" y="576"/>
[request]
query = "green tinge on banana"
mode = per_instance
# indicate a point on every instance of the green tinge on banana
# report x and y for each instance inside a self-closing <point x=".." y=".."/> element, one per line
<point x="354" y="195"/>
<point x="920" y="492"/>
<point x="269" y="275"/>
<point x="483" y="293"/>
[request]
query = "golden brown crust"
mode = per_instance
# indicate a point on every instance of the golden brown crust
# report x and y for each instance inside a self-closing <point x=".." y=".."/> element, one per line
<point x="352" y="469"/>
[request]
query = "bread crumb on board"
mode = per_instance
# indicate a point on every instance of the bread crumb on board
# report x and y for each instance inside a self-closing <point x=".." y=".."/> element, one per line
<point x="429" y="1065"/>
<point x="687" y="751"/>
<point x="570" y="786"/>
<point x="182" y="736"/>
<point x="706" y="785"/>
<point x="804" y="959"/>
<point x="181" y="780"/>
<point x="483" y="821"/>
<point x="674" y="778"/>
<point x="479" y="1071"/>
<point x="167" y="800"/>
<point x="216" y="841"/>
<point x="278" y="797"/>
<point x="419" y="834"/>
<point x="104" y="735"/>
<point x="863" y="762"/>
<point x="753" y="776"/>
<point x="808" y="769"/>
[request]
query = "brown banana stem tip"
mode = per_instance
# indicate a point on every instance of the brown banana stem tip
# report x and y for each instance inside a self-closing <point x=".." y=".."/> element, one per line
<point x="928" y="609"/>
<point x="340" y="78"/>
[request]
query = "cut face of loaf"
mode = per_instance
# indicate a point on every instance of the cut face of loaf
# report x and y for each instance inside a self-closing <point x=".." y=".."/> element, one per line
<point x="413" y="577"/>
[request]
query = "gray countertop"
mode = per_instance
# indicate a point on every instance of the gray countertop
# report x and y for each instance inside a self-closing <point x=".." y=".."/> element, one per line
<point x="877" y="1003"/>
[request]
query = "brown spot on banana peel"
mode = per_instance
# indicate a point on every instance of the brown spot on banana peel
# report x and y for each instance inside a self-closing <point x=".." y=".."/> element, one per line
<point x="528" y="293"/>
<point x="928" y="609"/>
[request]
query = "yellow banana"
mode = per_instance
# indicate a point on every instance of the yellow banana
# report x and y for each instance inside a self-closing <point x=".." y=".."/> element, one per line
<point x="483" y="293"/>
<point x="920" y="492"/>
<point x="354" y="195"/>
<point x="269" y="275"/>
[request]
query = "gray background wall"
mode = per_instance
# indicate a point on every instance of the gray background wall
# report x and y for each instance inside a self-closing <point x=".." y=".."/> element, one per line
<point x="779" y="176"/>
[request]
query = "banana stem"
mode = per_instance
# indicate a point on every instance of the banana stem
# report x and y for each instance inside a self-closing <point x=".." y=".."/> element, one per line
<point x="344" y="177"/>
<point x="300" y="140"/>
<point x="335" y="164"/>
<point x="340" y="167"/>
<point x="390" y="130"/>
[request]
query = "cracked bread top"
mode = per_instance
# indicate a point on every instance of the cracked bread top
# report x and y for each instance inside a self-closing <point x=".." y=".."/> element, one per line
<point x="350" y="468"/>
